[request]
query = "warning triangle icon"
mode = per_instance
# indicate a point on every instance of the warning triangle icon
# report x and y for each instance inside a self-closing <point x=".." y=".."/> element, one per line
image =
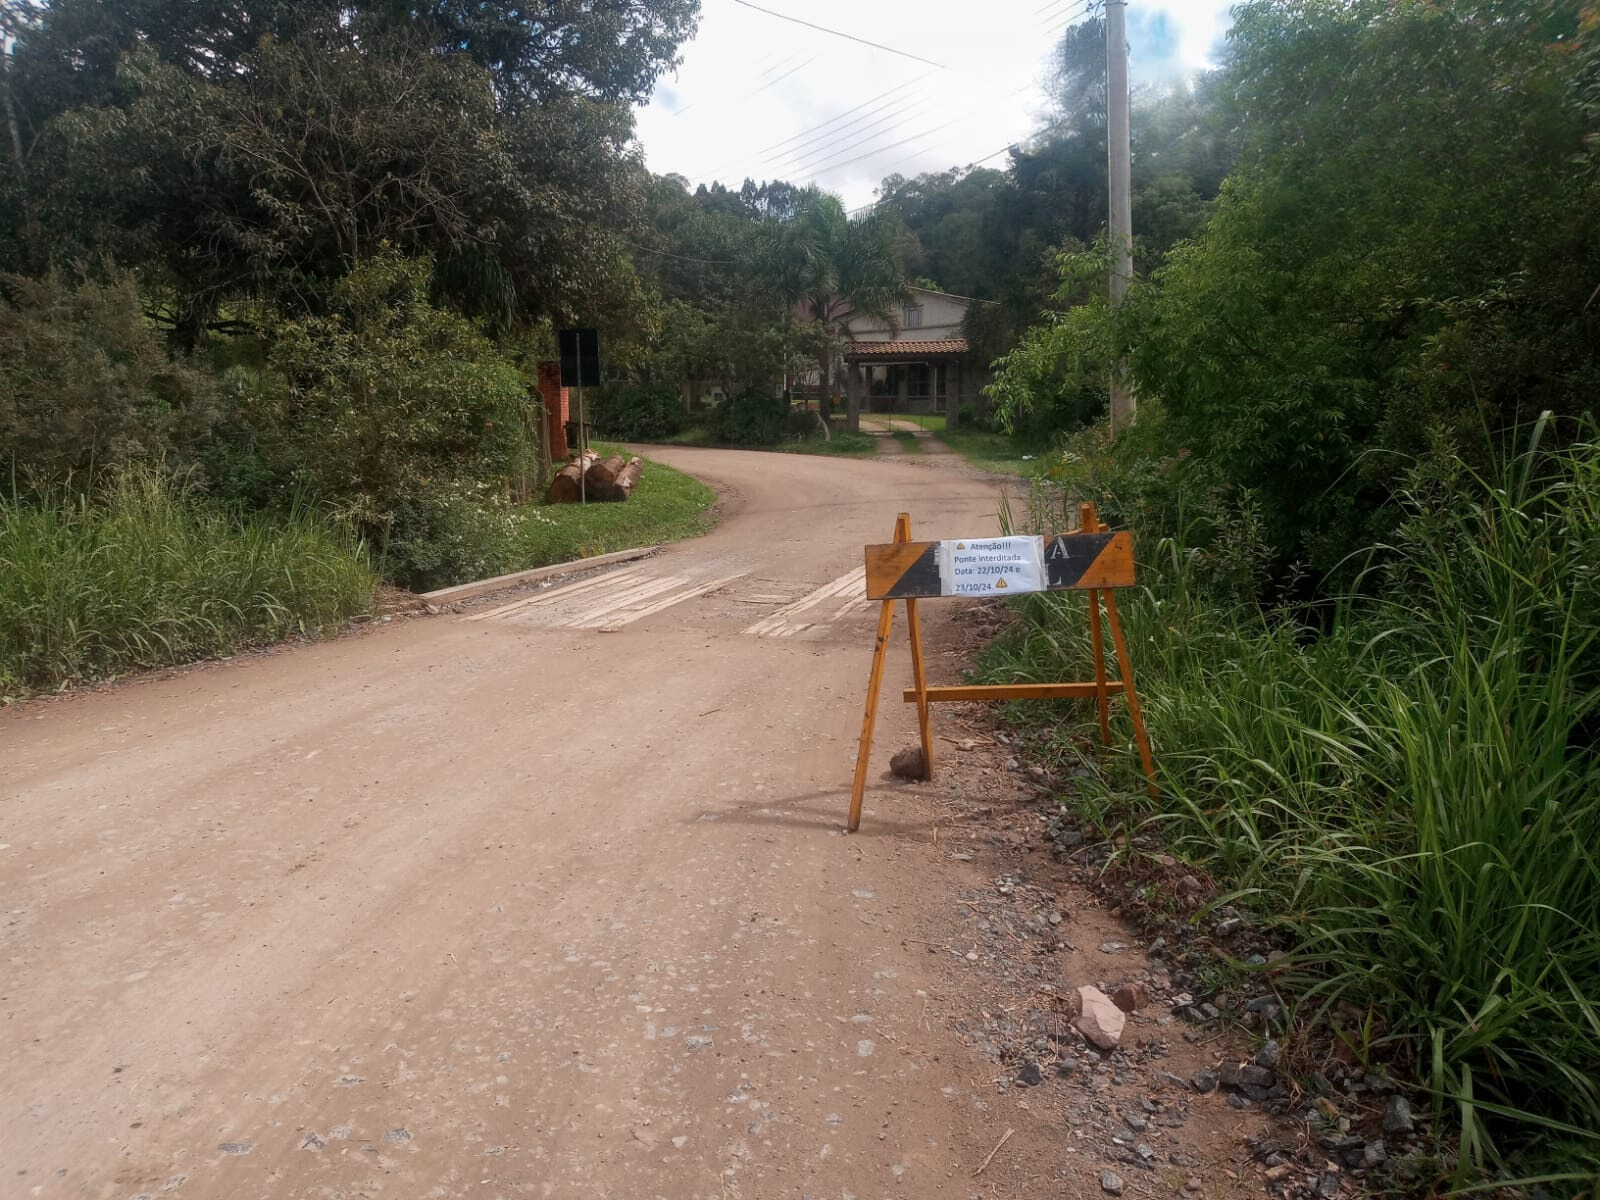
<point x="1000" y="583"/>
<point x="961" y="545"/>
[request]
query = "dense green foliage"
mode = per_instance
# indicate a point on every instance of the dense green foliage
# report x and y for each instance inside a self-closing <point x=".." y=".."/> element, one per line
<point x="355" y="224"/>
<point x="151" y="573"/>
<point x="640" y="412"/>
<point x="754" y="418"/>
<point x="259" y="142"/>
<point x="997" y="234"/>
<point x="383" y="402"/>
<point x="1411" y="797"/>
<point x="1361" y="290"/>
<point x="85" y="383"/>
<point x="1369" y="637"/>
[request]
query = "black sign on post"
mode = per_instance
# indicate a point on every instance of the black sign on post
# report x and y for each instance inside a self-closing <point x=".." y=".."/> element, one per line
<point x="580" y="357"/>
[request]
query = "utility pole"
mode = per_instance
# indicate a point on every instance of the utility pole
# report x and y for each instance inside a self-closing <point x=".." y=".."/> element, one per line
<point x="1119" y="160"/>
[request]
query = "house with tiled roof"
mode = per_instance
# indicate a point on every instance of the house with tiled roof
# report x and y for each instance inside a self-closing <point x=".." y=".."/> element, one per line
<point x="917" y="360"/>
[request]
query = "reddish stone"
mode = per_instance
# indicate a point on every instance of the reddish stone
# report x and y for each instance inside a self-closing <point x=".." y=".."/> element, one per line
<point x="1131" y="997"/>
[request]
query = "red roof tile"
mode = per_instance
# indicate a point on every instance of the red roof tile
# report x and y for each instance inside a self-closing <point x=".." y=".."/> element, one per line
<point x="905" y="349"/>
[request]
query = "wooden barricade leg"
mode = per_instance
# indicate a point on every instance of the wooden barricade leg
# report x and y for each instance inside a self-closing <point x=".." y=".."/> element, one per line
<point x="1101" y="695"/>
<point x="880" y="649"/>
<point x="1125" y="666"/>
<point x="919" y="679"/>
<point x="874" y="682"/>
<point x="1089" y="522"/>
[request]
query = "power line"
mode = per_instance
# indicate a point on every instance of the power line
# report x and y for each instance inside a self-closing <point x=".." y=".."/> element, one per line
<point x="834" y="120"/>
<point x="779" y="79"/>
<point x="861" y="134"/>
<point x="787" y="58"/>
<point x="849" y="37"/>
<point x="850" y="128"/>
<point x="834" y="166"/>
<point x="803" y="148"/>
<point x="848" y="112"/>
<point x="1071" y="19"/>
<point x="770" y="84"/>
<point x="977" y="162"/>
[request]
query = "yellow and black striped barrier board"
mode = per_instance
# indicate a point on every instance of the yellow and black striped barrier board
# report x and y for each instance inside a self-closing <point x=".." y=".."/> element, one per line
<point x="1000" y="566"/>
<point x="1094" y="560"/>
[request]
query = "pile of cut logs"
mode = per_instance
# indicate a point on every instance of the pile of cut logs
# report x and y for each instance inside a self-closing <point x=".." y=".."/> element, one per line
<point x="588" y="476"/>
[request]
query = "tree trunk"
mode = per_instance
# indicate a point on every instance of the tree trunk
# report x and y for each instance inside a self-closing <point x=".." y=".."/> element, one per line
<point x="604" y="473"/>
<point x="566" y="487"/>
<point x="19" y="162"/>
<point x="626" y="480"/>
<point x="825" y="383"/>
<point x="854" y="386"/>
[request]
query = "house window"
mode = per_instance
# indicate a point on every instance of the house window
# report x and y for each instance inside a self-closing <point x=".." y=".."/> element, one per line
<point x="913" y="316"/>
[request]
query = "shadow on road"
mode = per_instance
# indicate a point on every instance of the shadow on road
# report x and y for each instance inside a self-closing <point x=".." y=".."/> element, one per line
<point x="813" y="810"/>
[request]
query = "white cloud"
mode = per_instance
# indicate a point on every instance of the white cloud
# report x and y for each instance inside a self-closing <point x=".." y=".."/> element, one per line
<point x="754" y="92"/>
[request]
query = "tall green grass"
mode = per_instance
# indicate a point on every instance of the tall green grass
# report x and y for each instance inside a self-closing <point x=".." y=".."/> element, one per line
<point x="145" y="573"/>
<point x="1410" y="792"/>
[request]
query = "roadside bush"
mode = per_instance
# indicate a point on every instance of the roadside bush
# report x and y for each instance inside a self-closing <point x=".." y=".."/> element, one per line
<point x="800" y="424"/>
<point x="1055" y="379"/>
<point x="147" y="573"/>
<point x="753" y="418"/>
<point x="636" y="412"/>
<point x="1360" y="286"/>
<point x="447" y="536"/>
<point x="375" y="407"/>
<point x="1411" y="795"/>
<point x="86" y="383"/>
<point x="1143" y="480"/>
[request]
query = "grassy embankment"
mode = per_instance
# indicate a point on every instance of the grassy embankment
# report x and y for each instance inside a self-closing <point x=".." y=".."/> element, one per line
<point x="1408" y="797"/>
<point x="147" y="575"/>
<point x="666" y="506"/>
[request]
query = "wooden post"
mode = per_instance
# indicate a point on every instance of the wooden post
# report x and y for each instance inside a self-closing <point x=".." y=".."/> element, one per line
<point x="952" y="397"/>
<point x="1125" y="667"/>
<point x="1102" y="697"/>
<point x="1089" y="522"/>
<point x="920" y="680"/>
<point x="880" y="651"/>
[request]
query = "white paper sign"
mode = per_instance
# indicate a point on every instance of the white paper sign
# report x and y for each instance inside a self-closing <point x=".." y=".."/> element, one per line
<point x="991" y="566"/>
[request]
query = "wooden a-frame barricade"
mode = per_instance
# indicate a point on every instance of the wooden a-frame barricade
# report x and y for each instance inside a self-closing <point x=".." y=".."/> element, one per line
<point x="1092" y="560"/>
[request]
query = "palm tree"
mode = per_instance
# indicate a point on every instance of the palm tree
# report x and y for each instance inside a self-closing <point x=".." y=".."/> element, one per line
<point x="832" y="270"/>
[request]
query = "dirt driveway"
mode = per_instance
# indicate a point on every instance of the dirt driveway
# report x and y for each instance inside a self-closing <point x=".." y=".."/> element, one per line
<point x="548" y="898"/>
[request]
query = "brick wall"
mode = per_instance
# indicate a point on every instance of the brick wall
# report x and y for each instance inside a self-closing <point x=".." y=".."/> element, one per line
<point x="555" y="409"/>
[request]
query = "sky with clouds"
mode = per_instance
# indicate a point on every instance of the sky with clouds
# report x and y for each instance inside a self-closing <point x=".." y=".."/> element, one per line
<point x="767" y="98"/>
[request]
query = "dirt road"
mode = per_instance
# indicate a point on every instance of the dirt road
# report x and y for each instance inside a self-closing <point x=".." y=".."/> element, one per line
<point x="545" y="899"/>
